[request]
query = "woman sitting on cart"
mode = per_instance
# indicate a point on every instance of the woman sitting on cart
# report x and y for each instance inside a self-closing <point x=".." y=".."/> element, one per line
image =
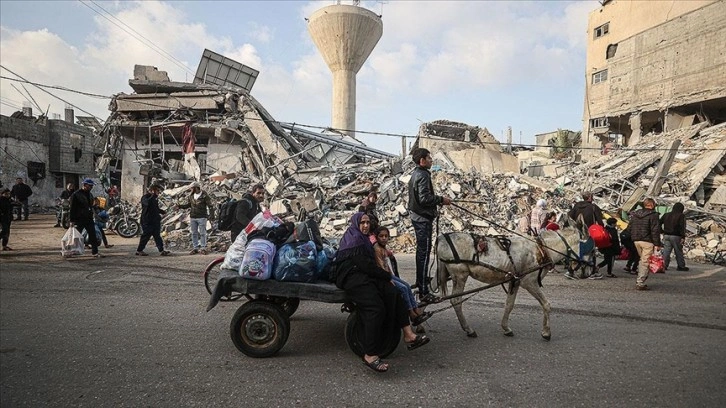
<point x="379" y="304"/>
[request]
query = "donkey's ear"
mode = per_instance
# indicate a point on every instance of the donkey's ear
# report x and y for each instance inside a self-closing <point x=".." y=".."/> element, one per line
<point x="569" y="222"/>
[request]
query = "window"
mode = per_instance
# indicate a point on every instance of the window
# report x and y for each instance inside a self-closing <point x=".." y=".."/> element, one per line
<point x="600" y="76"/>
<point x="612" y="49"/>
<point x="599" y="122"/>
<point x="602" y="30"/>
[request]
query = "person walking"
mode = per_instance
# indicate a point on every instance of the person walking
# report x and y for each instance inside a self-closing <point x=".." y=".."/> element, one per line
<point x="645" y="233"/>
<point x="632" y="265"/>
<point x="21" y="192"/>
<point x="198" y="201"/>
<point x="6" y="218"/>
<point x="100" y="217"/>
<point x="81" y="214"/>
<point x="247" y="208"/>
<point x="591" y="214"/>
<point x="422" y="206"/>
<point x="609" y="253"/>
<point x="151" y="221"/>
<point x="673" y="224"/>
<point x="538" y="216"/>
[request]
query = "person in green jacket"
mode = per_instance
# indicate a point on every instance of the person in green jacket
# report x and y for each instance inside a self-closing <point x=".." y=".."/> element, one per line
<point x="198" y="201"/>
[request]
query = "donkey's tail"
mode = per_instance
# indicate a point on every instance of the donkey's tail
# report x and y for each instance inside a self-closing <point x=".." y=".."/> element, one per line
<point x="442" y="275"/>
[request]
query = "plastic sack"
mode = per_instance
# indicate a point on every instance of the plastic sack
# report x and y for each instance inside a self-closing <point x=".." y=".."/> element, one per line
<point x="656" y="264"/>
<point x="624" y="254"/>
<point x="264" y="219"/>
<point x="325" y="257"/>
<point x="296" y="262"/>
<point x="72" y="243"/>
<point x="258" y="260"/>
<point x="235" y="253"/>
<point x="599" y="235"/>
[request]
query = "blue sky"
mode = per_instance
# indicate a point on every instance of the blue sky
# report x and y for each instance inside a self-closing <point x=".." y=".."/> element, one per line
<point x="488" y="63"/>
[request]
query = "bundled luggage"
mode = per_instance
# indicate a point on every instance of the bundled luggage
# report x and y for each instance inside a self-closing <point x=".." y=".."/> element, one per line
<point x="270" y="248"/>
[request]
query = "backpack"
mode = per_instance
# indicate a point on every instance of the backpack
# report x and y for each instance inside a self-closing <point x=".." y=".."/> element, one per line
<point x="600" y="236"/>
<point x="226" y="214"/>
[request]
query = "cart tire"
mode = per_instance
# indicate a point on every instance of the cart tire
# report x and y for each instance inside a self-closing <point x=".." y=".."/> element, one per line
<point x="354" y="336"/>
<point x="259" y="329"/>
<point x="211" y="276"/>
<point x="289" y="305"/>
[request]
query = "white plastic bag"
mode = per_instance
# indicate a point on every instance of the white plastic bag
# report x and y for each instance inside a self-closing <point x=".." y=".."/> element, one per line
<point x="72" y="243"/>
<point x="235" y="253"/>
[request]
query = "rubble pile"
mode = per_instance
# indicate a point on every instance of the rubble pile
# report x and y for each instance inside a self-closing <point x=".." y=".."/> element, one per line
<point x="331" y="196"/>
<point x="694" y="177"/>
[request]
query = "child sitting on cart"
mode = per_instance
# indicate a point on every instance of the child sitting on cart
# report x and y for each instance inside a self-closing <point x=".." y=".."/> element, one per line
<point x="386" y="260"/>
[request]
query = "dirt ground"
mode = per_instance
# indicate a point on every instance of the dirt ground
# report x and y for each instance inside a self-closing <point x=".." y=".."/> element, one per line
<point x="36" y="240"/>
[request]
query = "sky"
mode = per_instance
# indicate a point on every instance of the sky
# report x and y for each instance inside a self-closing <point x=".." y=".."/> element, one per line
<point x="491" y="64"/>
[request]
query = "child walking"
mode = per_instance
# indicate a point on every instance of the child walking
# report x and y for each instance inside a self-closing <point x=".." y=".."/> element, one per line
<point x="613" y="250"/>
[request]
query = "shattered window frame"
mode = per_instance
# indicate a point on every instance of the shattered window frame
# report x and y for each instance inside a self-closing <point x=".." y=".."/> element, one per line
<point x="601" y="30"/>
<point x="600" y="76"/>
<point x="599" y="122"/>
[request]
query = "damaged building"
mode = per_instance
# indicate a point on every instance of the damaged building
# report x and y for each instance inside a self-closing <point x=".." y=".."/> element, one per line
<point x="47" y="153"/>
<point x="464" y="147"/>
<point x="653" y="67"/>
<point x="180" y="132"/>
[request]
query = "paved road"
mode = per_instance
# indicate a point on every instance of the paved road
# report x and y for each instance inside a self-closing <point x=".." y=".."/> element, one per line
<point x="131" y="331"/>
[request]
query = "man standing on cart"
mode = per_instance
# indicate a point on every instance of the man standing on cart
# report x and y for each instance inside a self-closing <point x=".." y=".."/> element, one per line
<point x="422" y="206"/>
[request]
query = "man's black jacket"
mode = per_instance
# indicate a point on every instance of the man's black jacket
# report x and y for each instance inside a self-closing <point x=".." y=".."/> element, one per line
<point x="645" y="226"/>
<point x="81" y="206"/>
<point x="421" y="197"/>
<point x="21" y="191"/>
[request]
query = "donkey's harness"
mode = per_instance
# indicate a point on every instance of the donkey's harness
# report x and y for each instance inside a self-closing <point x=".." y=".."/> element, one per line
<point x="504" y="243"/>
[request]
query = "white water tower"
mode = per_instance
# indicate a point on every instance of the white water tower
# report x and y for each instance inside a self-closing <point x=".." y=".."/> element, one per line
<point x="345" y="35"/>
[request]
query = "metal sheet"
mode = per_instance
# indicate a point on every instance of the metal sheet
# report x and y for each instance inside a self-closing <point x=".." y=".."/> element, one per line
<point x="217" y="69"/>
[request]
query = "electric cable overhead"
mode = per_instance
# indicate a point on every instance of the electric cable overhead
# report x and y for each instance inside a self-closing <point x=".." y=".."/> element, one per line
<point x="363" y="132"/>
<point x="136" y="35"/>
<point x="57" y="97"/>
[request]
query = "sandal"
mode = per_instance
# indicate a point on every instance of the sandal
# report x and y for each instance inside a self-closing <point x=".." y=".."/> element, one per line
<point x="164" y="253"/>
<point x="428" y="299"/>
<point x="421" y="339"/>
<point x="418" y="320"/>
<point x="376" y="365"/>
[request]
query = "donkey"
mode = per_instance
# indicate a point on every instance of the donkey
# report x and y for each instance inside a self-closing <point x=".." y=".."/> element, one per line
<point x="483" y="258"/>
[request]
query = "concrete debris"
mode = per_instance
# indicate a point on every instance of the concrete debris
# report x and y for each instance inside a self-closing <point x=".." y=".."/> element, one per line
<point x="694" y="176"/>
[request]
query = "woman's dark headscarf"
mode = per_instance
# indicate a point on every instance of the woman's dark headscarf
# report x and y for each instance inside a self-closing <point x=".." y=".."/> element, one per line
<point x="678" y="208"/>
<point x="354" y="242"/>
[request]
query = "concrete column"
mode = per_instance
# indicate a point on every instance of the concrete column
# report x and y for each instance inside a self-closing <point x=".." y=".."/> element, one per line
<point x="343" y="115"/>
<point x="635" y="123"/>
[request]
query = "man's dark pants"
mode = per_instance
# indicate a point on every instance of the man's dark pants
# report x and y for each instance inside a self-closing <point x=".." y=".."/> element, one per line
<point x="147" y="231"/>
<point x="90" y="228"/>
<point x="23" y="209"/>
<point x="423" y="230"/>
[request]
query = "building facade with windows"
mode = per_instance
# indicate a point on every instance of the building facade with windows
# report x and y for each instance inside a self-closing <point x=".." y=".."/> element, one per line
<point x="653" y="66"/>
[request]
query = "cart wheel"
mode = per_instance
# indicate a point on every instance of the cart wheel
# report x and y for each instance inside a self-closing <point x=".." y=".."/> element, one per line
<point x="211" y="276"/>
<point x="289" y="305"/>
<point x="259" y="328"/>
<point x="354" y="336"/>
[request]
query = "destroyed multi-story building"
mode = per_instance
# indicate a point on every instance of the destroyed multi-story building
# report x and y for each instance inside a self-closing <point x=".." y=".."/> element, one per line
<point x="47" y="153"/>
<point x="180" y="132"/>
<point x="653" y="66"/>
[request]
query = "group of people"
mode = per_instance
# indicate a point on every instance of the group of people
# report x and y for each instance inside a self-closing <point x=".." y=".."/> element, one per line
<point x="642" y="237"/>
